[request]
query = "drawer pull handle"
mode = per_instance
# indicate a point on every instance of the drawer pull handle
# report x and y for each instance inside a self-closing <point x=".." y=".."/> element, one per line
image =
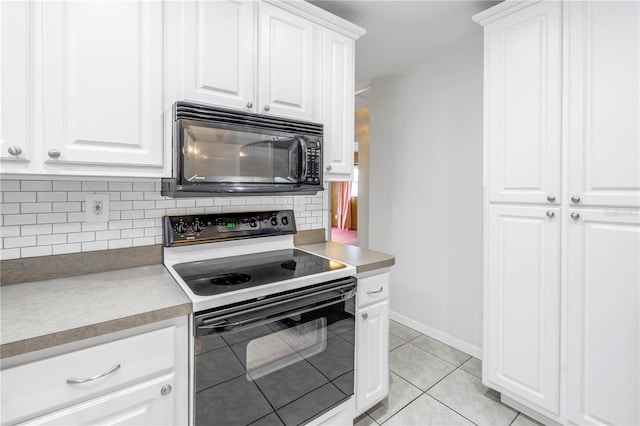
<point x="374" y="292"/>
<point x="99" y="376"/>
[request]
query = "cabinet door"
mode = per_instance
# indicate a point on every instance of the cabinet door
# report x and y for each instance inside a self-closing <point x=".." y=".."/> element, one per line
<point x="603" y="297"/>
<point x="522" y="304"/>
<point x="15" y="90"/>
<point x="218" y="53"/>
<point x="522" y="105"/>
<point x="338" y="105"/>
<point x="372" y="362"/>
<point x="142" y="404"/>
<point x="603" y="78"/>
<point x="285" y="78"/>
<point x="103" y="88"/>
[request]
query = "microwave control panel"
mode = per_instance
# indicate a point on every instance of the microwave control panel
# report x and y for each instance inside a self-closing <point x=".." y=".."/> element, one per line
<point x="314" y="161"/>
<point x="196" y="229"/>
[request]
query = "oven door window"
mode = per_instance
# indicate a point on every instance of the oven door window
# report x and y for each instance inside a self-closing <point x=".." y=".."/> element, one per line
<point x="283" y="372"/>
<point x="225" y="155"/>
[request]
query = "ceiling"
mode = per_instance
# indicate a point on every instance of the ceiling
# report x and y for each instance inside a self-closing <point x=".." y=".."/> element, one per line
<point x="403" y="33"/>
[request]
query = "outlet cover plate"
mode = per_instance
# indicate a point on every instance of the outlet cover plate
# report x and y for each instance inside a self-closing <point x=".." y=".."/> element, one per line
<point x="97" y="208"/>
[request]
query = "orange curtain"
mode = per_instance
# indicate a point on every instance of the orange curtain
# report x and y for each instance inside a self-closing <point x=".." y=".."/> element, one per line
<point x="344" y="205"/>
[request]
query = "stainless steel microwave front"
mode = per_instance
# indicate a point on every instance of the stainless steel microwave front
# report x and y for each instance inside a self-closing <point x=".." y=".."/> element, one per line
<point x="219" y="151"/>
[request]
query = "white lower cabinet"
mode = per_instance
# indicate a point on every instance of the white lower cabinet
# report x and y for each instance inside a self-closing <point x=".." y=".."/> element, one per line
<point x="139" y="376"/>
<point x="372" y="342"/>
<point x="522" y="309"/>
<point x="603" y="314"/>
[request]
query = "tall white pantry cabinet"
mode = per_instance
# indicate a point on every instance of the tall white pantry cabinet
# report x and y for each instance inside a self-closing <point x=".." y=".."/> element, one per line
<point x="561" y="330"/>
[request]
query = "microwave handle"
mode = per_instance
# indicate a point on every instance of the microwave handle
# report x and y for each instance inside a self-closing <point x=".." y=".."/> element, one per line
<point x="303" y="145"/>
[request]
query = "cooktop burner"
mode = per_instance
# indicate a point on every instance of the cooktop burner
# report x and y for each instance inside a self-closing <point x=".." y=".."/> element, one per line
<point x="215" y="276"/>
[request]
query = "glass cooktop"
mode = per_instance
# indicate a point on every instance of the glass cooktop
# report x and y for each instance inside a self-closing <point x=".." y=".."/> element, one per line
<point x="215" y="276"/>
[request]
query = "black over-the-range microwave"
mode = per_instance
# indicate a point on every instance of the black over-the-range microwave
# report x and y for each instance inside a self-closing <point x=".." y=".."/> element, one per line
<point x="219" y="151"/>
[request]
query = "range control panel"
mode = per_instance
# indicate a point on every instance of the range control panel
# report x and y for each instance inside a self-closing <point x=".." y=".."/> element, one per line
<point x="195" y="229"/>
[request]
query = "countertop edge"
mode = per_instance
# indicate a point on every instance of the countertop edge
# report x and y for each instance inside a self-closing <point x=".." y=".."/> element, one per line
<point x="80" y="333"/>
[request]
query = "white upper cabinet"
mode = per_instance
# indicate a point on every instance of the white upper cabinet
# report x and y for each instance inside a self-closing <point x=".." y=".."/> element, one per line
<point x="522" y="102"/>
<point x="103" y="85"/>
<point x="15" y="72"/>
<point x="218" y="53"/>
<point x="603" y="112"/>
<point x="338" y="105"/>
<point x="247" y="55"/>
<point x="285" y="63"/>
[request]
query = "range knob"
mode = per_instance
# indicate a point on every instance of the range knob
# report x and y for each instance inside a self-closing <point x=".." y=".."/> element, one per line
<point x="181" y="227"/>
<point x="285" y="220"/>
<point x="252" y="222"/>
<point x="274" y="221"/>
<point x="197" y="226"/>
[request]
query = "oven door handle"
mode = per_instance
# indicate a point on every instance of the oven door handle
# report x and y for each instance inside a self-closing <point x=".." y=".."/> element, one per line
<point x="222" y="325"/>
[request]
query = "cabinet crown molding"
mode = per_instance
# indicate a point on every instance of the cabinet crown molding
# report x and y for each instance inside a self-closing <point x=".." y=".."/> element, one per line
<point x="501" y="10"/>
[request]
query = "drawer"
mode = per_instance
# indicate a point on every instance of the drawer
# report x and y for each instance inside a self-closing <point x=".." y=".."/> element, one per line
<point x="373" y="289"/>
<point x="39" y="387"/>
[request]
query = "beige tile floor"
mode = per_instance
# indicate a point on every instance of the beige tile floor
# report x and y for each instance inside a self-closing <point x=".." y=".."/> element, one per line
<point x="431" y="383"/>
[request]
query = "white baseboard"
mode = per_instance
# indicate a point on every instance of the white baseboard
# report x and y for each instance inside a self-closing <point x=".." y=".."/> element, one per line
<point x="459" y="344"/>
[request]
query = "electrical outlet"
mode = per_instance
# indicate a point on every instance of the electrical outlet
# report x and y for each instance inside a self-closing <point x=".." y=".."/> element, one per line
<point x="97" y="208"/>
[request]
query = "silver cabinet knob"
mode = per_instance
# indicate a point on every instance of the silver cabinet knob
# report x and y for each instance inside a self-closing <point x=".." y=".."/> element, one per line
<point x="54" y="153"/>
<point x="550" y="214"/>
<point x="365" y="315"/>
<point x="551" y="198"/>
<point x="575" y="199"/>
<point x="15" y="150"/>
<point x="329" y="168"/>
<point x="249" y="105"/>
<point x="267" y="107"/>
<point x="166" y="390"/>
<point x="575" y="216"/>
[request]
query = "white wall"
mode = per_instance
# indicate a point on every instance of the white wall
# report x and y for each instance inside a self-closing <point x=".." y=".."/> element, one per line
<point x="426" y="192"/>
<point x="46" y="217"/>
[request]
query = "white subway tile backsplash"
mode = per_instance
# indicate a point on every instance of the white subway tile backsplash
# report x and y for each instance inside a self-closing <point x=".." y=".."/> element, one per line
<point x="19" y="197"/>
<point x="6" y="254"/>
<point x="124" y="243"/>
<point x="35" y="208"/>
<point x="60" y="185"/>
<point x="65" y="228"/>
<point x="95" y="245"/>
<point x="81" y="237"/>
<point x="19" y="219"/>
<point x="35" y="229"/>
<point x="10" y="231"/>
<point x="36" y="185"/>
<point x="52" y="217"/>
<point x="43" y="197"/>
<point x="67" y="248"/>
<point x="51" y="239"/>
<point x="40" y="217"/>
<point x="13" y="242"/>
<point x="95" y="186"/>
<point x="36" y="251"/>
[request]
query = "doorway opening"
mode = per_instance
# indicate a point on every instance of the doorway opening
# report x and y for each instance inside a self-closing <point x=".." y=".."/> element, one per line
<point x="344" y="210"/>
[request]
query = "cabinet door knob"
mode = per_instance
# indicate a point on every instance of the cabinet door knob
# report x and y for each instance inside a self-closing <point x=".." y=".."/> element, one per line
<point x="249" y="105"/>
<point x="575" y="216"/>
<point x="551" y="198"/>
<point x="166" y="390"/>
<point x="329" y="168"/>
<point x="15" y="150"/>
<point x="267" y="107"/>
<point x="365" y="315"/>
<point x="550" y="214"/>
<point x="54" y="153"/>
<point x="575" y="199"/>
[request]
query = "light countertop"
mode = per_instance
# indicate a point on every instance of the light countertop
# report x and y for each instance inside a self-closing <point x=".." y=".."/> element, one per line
<point x="42" y="314"/>
<point x="364" y="260"/>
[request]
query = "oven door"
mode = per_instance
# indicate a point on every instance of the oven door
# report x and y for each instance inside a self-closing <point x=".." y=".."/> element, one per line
<point x="283" y="360"/>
